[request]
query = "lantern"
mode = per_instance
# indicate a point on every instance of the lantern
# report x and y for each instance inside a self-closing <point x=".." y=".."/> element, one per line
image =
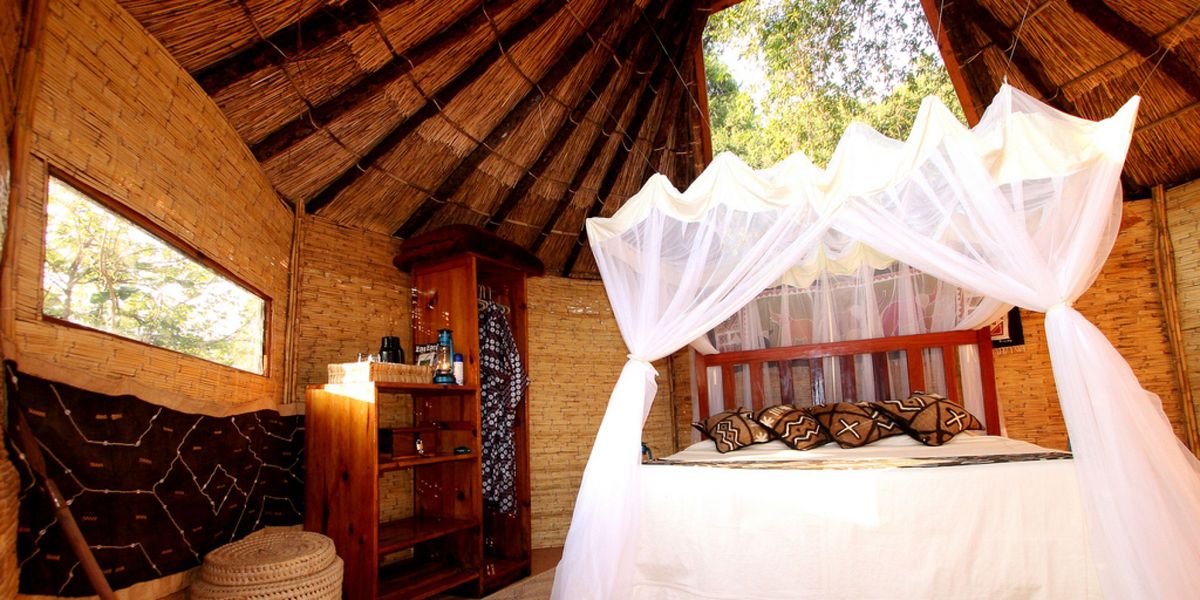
<point x="443" y="365"/>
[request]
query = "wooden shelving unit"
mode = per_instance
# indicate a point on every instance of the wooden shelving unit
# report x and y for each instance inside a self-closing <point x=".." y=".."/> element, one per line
<point x="342" y="491"/>
<point x="451" y="541"/>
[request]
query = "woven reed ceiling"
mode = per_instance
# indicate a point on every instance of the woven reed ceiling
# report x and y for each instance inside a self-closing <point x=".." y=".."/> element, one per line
<point x="1087" y="57"/>
<point x="525" y="117"/>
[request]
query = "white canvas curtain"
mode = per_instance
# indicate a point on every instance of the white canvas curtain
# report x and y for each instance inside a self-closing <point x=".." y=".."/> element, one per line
<point x="1022" y="209"/>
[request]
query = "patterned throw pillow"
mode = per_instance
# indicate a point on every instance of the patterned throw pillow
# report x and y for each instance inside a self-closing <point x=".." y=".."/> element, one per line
<point x="851" y="425"/>
<point x="794" y="425"/>
<point x="884" y="423"/>
<point x="929" y="418"/>
<point x="734" y="429"/>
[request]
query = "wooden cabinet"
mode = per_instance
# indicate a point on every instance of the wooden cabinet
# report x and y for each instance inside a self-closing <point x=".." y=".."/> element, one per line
<point x="451" y="541"/>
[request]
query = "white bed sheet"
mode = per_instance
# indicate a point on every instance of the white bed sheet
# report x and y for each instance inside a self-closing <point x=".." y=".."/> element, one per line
<point x="1008" y="530"/>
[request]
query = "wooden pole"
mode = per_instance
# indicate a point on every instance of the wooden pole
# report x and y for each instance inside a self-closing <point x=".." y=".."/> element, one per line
<point x="29" y="62"/>
<point x="293" y="309"/>
<point x="62" y="511"/>
<point x="934" y="14"/>
<point x="1164" y="268"/>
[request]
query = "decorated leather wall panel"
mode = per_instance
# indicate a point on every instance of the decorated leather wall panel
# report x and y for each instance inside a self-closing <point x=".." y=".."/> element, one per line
<point x="152" y="489"/>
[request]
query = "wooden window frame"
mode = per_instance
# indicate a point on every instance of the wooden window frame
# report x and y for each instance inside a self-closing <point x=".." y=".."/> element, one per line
<point x="162" y="234"/>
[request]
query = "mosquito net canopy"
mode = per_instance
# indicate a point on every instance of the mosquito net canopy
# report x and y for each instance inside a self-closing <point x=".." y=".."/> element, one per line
<point x="1020" y="210"/>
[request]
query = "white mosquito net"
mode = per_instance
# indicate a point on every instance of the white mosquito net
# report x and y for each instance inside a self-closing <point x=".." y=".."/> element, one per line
<point x="1020" y="210"/>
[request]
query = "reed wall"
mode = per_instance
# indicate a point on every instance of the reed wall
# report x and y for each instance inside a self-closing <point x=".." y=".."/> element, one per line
<point x="116" y="112"/>
<point x="1183" y="219"/>
<point x="575" y="356"/>
<point x="1124" y="304"/>
<point x="10" y="34"/>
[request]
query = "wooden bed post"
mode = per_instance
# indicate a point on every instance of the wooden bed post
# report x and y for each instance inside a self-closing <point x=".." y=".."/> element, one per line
<point x="987" y="374"/>
<point x="701" y="386"/>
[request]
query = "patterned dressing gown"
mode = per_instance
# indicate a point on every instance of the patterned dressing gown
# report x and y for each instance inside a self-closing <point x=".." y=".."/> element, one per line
<point x="502" y="382"/>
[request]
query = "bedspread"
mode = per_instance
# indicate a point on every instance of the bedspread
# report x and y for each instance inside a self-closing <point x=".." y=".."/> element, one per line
<point x="1006" y="530"/>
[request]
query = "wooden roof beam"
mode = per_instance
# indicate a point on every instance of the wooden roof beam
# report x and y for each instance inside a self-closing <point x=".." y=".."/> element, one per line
<point x="968" y="94"/>
<point x="322" y="25"/>
<point x="646" y="52"/>
<point x="1029" y="66"/>
<point x="314" y="119"/>
<point x="630" y="46"/>
<point x="1112" y="23"/>
<point x="566" y="61"/>
<point x="432" y="106"/>
<point x="658" y="81"/>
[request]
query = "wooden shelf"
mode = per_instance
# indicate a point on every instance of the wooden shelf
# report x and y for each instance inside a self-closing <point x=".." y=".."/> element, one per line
<point x="427" y="389"/>
<point x="416" y="429"/>
<point x="416" y="389"/>
<point x="390" y="463"/>
<point x="422" y="579"/>
<point x="405" y="533"/>
<point x="503" y="571"/>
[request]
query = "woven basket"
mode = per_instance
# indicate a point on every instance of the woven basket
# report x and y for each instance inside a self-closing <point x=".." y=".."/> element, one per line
<point x="323" y="585"/>
<point x="267" y="557"/>
<point x="363" y="372"/>
<point x="276" y="565"/>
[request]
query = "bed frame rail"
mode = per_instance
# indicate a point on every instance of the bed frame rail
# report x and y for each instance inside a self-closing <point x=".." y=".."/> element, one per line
<point x="844" y="353"/>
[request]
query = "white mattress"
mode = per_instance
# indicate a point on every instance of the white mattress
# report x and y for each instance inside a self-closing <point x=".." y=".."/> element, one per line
<point x="1009" y="530"/>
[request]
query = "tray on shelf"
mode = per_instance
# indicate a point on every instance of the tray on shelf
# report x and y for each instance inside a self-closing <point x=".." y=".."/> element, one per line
<point x="365" y="372"/>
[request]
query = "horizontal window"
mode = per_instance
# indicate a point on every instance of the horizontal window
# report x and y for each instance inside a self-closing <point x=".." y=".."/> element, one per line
<point x="105" y="272"/>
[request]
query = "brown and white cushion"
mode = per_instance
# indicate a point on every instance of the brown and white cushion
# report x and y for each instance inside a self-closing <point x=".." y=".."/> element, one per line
<point x="734" y="429"/>
<point x="884" y="423"/>
<point x="850" y="425"/>
<point x="794" y="425"/>
<point x="930" y="418"/>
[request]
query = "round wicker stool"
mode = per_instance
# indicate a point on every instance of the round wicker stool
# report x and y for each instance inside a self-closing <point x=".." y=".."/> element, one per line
<point x="274" y="565"/>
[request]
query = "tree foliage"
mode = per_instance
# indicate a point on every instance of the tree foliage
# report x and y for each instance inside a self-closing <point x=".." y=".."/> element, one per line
<point x="825" y="63"/>
<point x="104" y="272"/>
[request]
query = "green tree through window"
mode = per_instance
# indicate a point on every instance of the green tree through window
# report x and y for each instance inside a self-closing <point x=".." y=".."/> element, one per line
<point x="790" y="75"/>
<point x="104" y="272"/>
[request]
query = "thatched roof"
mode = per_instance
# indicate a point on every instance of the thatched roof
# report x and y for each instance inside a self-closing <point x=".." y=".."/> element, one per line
<point x="1087" y="57"/>
<point x="525" y="117"/>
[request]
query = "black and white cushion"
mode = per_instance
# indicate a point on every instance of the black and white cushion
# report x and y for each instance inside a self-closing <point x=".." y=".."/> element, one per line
<point x="734" y="429"/>
<point x="851" y="425"/>
<point x="794" y="425"/>
<point x="930" y="418"/>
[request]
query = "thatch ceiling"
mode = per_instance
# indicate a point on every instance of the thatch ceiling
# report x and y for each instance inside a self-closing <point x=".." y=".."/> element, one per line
<point x="1087" y="57"/>
<point x="525" y="117"/>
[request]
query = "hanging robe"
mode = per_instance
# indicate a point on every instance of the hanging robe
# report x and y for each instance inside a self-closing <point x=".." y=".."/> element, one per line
<point x="502" y="385"/>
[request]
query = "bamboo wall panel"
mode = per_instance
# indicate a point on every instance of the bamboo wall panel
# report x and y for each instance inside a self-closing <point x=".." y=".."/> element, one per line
<point x="10" y="35"/>
<point x="1123" y="303"/>
<point x="350" y="296"/>
<point x="1183" y="215"/>
<point x="575" y="356"/>
<point x="118" y="113"/>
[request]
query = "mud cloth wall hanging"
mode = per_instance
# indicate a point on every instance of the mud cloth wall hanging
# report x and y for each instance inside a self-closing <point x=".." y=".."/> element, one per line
<point x="153" y="489"/>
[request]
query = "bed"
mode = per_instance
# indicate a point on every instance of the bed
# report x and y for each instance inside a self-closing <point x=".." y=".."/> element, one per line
<point x="982" y="516"/>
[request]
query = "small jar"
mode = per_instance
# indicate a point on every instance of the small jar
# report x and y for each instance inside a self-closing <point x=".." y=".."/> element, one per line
<point x="458" y="369"/>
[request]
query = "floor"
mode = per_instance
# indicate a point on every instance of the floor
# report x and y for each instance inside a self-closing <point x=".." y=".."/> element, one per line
<point x="544" y="559"/>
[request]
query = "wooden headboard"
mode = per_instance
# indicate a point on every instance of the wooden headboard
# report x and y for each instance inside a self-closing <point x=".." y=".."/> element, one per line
<point x="844" y="352"/>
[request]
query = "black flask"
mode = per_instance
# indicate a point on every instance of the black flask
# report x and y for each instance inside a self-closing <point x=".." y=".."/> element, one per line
<point x="390" y="350"/>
